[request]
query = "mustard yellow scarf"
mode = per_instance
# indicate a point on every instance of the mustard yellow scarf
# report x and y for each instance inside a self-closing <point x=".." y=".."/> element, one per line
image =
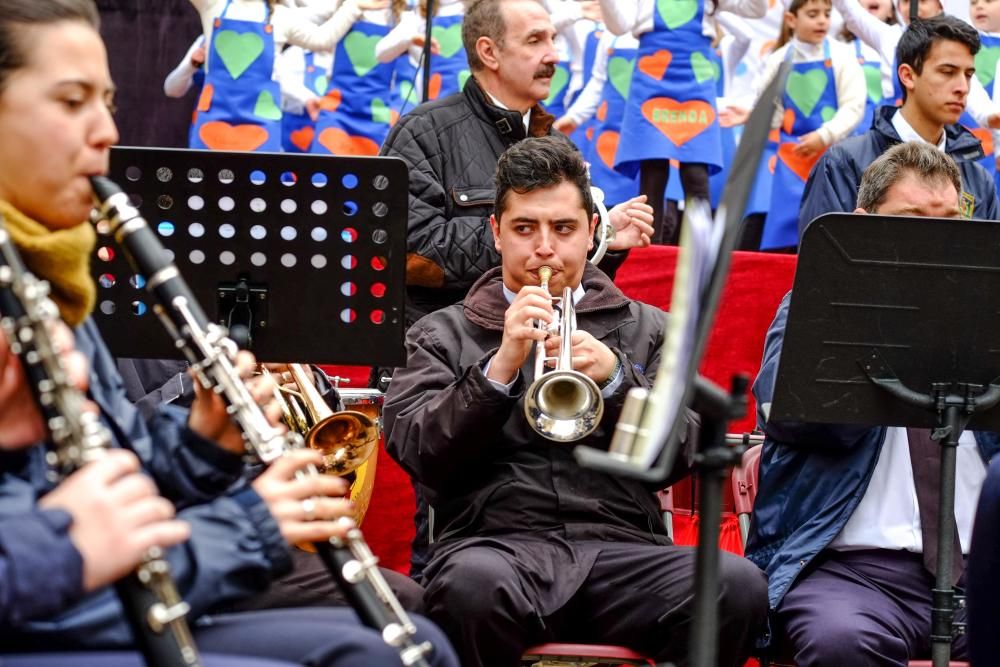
<point x="61" y="257"/>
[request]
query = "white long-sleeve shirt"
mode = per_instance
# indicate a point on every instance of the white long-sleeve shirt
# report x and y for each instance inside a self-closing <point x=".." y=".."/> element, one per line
<point x="884" y="38"/>
<point x="636" y="16"/>
<point x="178" y="82"/>
<point x="849" y="78"/>
<point x="412" y="24"/>
<point x="585" y="106"/>
<point x="289" y="25"/>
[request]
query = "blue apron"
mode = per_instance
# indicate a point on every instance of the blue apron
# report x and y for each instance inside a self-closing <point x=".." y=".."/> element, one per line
<point x="873" y="81"/>
<point x="581" y="135"/>
<point x="986" y="68"/>
<point x="607" y="130"/>
<point x="811" y="95"/>
<point x="671" y="108"/>
<point x="297" y="129"/>
<point x="986" y="61"/>
<point x="555" y="103"/>
<point x="355" y="115"/>
<point x="717" y="182"/>
<point x="450" y="68"/>
<point x="239" y="108"/>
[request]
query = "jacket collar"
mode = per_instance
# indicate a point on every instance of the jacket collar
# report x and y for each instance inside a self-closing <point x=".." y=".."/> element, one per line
<point x="960" y="143"/>
<point x="485" y="304"/>
<point x="509" y="124"/>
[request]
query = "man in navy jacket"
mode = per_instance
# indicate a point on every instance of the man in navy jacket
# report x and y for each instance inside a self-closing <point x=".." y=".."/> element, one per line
<point x="936" y="62"/>
<point x="836" y="522"/>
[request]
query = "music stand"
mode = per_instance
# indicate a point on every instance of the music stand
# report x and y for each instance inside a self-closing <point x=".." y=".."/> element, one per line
<point x="716" y="405"/>
<point x="886" y="328"/>
<point x="301" y="256"/>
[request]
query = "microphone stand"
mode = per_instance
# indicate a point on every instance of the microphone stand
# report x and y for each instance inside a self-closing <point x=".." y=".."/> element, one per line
<point x="427" y="50"/>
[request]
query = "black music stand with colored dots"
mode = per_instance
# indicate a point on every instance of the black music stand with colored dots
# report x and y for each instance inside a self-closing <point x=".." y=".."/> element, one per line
<point x="887" y="326"/>
<point x="302" y="256"/>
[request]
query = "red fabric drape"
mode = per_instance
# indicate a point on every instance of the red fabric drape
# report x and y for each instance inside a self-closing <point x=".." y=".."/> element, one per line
<point x="756" y="283"/>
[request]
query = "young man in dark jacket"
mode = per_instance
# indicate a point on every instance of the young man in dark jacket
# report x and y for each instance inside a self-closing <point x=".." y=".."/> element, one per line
<point x="936" y="62"/>
<point x="452" y="145"/>
<point x="530" y="546"/>
<point x="837" y="524"/>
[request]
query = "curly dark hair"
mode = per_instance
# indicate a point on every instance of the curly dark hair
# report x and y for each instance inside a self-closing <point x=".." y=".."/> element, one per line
<point x="541" y="162"/>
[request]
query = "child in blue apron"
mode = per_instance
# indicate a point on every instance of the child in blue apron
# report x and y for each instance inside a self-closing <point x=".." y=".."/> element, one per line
<point x="449" y="65"/>
<point x="986" y="18"/>
<point x="356" y="114"/>
<point x="581" y="136"/>
<point x="302" y="77"/>
<point x="823" y="102"/>
<point x="603" y="100"/>
<point x="671" y="112"/>
<point x="240" y="103"/>
<point x="189" y="74"/>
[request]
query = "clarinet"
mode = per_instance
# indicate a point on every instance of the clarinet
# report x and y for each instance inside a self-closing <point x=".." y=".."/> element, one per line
<point x="212" y="355"/>
<point x="152" y="605"/>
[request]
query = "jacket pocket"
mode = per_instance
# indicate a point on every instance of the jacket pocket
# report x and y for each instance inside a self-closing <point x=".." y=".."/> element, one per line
<point x="474" y="196"/>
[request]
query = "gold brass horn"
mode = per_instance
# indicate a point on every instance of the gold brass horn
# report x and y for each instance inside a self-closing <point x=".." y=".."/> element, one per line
<point x="562" y="404"/>
<point x="346" y="439"/>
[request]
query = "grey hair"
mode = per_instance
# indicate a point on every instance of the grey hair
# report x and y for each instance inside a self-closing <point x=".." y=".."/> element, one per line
<point x="483" y="18"/>
<point x="924" y="161"/>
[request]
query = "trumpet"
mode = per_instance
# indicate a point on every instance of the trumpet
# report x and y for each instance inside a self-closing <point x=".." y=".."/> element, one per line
<point x="346" y="439"/>
<point x="562" y="404"/>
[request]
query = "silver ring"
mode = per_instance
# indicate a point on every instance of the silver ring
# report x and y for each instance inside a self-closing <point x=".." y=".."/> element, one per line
<point x="309" y="508"/>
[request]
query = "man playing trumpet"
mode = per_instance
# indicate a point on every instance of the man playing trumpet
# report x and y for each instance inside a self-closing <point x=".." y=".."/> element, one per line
<point x="529" y="546"/>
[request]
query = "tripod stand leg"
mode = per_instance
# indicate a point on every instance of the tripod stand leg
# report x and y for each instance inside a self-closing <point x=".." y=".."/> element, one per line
<point x="943" y="595"/>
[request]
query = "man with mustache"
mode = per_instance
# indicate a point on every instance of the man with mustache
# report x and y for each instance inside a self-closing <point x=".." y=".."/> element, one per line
<point x="452" y="145"/>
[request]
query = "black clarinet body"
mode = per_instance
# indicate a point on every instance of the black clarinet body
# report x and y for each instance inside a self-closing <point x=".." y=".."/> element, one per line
<point x="212" y="355"/>
<point x="153" y="608"/>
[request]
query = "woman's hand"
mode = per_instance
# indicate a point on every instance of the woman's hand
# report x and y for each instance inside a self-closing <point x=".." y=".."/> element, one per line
<point x="209" y="417"/>
<point x="307" y="507"/>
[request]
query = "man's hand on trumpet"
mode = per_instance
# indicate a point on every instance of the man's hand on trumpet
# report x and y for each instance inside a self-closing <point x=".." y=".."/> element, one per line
<point x="590" y="356"/>
<point x="531" y="304"/>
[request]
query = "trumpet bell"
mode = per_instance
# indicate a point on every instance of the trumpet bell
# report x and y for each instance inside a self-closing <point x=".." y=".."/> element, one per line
<point x="345" y="439"/>
<point x="564" y="405"/>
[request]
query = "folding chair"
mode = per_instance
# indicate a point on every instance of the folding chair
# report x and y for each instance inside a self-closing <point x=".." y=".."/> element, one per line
<point x="583" y="655"/>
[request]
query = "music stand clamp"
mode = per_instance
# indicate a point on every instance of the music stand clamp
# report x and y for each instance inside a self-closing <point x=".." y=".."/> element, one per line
<point x="954" y="404"/>
<point x="862" y="304"/>
<point x="712" y="461"/>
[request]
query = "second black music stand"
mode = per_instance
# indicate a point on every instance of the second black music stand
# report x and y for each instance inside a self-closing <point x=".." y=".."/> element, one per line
<point x="887" y="326"/>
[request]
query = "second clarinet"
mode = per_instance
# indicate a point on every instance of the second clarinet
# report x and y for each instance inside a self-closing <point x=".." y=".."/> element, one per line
<point x="212" y="355"/>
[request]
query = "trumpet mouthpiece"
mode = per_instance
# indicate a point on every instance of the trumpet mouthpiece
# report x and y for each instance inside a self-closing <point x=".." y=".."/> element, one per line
<point x="544" y="274"/>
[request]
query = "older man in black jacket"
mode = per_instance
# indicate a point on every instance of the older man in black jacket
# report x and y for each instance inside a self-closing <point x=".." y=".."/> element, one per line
<point x="452" y="146"/>
<point x="531" y="546"/>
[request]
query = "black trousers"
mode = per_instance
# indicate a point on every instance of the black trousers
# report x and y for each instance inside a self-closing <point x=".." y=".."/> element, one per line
<point x="867" y="608"/>
<point x="636" y="595"/>
<point x="310" y="585"/>
<point x="316" y="637"/>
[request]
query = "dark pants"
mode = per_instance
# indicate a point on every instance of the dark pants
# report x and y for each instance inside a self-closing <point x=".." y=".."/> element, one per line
<point x="636" y="595"/>
<point x="983" y="573"/>
<point x="315" y="637"/>
<point x="653" y="177"/>
<point x="104" y="659"/>
<point x="861" y="608"/>
<point x="310" y="585"/>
